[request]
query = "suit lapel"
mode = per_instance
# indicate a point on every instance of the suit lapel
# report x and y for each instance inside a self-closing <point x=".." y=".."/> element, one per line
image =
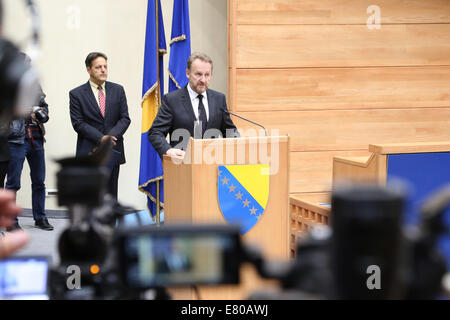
<point x="186" y="102"/>
<point x="92" y="100"/>
<point x="108" y="98"/>
<point x="212" y="108"/>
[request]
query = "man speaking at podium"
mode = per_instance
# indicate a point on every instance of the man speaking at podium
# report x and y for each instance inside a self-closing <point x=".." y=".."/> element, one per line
<point x="192" y="108"/>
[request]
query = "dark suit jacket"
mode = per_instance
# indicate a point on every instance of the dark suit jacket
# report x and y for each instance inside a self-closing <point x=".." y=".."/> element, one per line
<point x="89" y="123"/>
<point x="176" y="112"/>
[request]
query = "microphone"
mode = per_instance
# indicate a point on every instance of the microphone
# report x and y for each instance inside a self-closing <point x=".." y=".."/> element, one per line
<point x="259" y="125"/>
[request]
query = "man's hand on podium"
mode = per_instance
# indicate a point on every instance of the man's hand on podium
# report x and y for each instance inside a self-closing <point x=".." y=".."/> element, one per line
<point x="177" y="153"/>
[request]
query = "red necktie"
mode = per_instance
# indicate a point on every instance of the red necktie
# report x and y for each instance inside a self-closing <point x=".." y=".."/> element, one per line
<point x="101" y="100"/>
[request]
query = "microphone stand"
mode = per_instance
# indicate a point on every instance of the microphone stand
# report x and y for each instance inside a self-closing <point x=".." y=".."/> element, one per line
<point x="265" y="132"/>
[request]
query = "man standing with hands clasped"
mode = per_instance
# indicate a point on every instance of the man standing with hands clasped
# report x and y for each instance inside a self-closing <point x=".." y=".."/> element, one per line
<point x="99" y="112"/>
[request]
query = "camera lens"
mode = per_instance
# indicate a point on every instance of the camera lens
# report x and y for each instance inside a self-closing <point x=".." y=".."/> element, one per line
<point x="41" y="116"/>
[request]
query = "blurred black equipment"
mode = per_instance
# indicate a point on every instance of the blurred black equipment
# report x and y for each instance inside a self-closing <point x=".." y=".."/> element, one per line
<point x="366" y="224"/>
<point x="19" y="83"/>
<point x="367" y="253"/>
<point x="93" y="217"/>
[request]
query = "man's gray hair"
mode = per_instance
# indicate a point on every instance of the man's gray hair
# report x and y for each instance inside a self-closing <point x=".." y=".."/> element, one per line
<point x="200" y="56"/>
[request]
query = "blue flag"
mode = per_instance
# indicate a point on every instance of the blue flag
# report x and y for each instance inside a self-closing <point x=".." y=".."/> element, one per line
<point x="180" y="45"/>
<point x="151" y="171"/>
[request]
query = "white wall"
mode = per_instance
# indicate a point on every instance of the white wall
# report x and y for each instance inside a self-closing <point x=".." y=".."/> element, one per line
<point x="73" y="28"/>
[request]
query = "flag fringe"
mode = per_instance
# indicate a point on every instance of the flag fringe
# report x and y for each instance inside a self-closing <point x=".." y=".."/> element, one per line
<point x="174" y="80"/>
<point x="150" y="91"/>
<point x="149" y="195"/>
<point x="180" y="38"/>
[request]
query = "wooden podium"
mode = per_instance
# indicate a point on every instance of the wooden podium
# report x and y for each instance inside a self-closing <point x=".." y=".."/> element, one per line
<point x="377" y="167"/>
<point x="191" y="195"/>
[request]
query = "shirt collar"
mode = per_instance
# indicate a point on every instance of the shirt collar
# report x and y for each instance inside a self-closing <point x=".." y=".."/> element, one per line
<point x="193" y="95"/>
<point x="95" y="86"/>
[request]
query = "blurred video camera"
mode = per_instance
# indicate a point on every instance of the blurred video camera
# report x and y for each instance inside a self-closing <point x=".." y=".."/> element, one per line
<point x="19" y="84"/>
<point x="366" y="253"/>
<point x="87" y="242"/>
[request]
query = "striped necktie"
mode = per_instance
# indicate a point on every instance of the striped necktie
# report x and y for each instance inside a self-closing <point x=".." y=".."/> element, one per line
<point x="101" y="100"/>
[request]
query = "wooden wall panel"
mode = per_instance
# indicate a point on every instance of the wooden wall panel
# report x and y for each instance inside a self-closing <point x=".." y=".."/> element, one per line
<point x="314" y="70"/>
<point x="342" y="88"/>
<point x="296" y="46"/>
<point x="353" y="129"/>
<point x="340" y="12"/>
<point x="312" y="171"/>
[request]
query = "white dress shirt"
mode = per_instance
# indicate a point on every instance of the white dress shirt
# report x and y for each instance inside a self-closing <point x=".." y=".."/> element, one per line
<point x="195" y="101"/>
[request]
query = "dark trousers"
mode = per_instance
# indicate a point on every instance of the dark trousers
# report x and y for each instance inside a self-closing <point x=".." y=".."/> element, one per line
<point x="3" y="171"/>
<point x="113" y="183"/>
<point x="36" y="160"/>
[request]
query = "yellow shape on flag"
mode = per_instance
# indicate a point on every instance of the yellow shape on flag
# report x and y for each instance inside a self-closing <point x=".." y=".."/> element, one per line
<point x="149" y="110"/>
<point x="255" y="179"/>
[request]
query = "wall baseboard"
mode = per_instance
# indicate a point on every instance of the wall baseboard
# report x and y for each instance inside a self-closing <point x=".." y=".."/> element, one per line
<point x="52" y="214"/>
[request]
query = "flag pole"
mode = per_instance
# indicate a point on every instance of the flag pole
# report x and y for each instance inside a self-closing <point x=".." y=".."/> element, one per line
<point x="158" y="211"/>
